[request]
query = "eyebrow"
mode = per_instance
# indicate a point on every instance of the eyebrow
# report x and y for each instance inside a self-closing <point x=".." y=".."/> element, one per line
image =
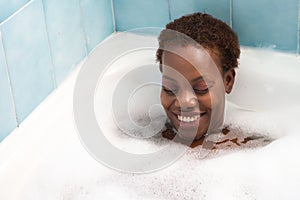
<point x="198" y="79"/>
<point x="194" y="80"/>
<point x="169" y="78"/>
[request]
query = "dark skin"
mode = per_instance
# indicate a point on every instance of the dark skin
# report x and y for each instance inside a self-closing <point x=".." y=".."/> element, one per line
<point x="191" y="88"/>
<point x="195" y="83"/>
<point x="207" y="144"/>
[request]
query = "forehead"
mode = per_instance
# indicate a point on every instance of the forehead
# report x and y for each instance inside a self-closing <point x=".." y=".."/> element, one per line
<point x="190" y="62"/>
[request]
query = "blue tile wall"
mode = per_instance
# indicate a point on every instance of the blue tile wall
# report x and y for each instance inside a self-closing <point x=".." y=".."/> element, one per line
<point x="97" y="20"/>
<point x="217" y="8"/>
<point x="65" y="31"/>
<point x="266" y="23"/>
<point x="7" y="114"/>
<point x="8" y="7"/>
<point x="259" y="23"/>
<point x="131" y="14"/>
<point x="43" y="42"/>
<point x="25" y="43"/>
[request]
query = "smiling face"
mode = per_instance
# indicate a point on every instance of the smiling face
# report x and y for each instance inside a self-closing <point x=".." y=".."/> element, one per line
<point x="193" y="90"/>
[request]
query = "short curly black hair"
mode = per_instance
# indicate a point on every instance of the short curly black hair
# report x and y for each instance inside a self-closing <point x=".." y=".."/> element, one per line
<point x="209" y="32"/>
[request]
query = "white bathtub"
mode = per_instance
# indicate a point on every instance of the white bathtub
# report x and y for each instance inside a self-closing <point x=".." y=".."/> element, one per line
<point x="44" y="158"/>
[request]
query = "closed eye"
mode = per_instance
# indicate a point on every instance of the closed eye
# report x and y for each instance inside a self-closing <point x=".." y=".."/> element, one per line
<point x="169" y="91"/>
<point x="201" y="92"/>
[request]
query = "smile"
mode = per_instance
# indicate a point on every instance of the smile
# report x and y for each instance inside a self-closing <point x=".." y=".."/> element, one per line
<point x="188" y="119"/>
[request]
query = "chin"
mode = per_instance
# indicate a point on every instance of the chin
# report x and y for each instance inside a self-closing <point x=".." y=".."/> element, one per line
<point x="188" y="133"/>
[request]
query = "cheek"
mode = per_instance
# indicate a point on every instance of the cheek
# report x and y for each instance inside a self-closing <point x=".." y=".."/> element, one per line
<point x="166" y="100"/>
<point x="205" y="101"/>
<point x="214" y="100"/>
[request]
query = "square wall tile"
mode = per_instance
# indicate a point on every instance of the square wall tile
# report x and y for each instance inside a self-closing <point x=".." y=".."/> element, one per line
<point x="8" y="7"/>
<point x="28" y="58"/>
<point x="265" y="23"/>
<point x="65" y="31"/>
<point x="7" y="115"/>
<point x="130" y="14"/>
<point x="218" y="8"/>
<point x="97" y="20"/>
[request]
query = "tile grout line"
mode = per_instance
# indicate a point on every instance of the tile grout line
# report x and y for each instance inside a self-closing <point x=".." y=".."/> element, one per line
<point x="49" y="48"/>
<point x="169" y="9"/>
<point x="83" y="30"/>
<point x="16" y="12"/>
<point x="230" y="13"/>
<point x="298" y="40"/>
<point x="9" y="80"/>
<point x="113" y="15"/>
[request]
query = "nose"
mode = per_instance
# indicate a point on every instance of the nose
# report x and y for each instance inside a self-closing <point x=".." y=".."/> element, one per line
<point x="186" y="100"/>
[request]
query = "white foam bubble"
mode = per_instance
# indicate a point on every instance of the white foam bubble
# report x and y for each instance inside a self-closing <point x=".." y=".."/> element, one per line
<point x="45" y="160"/>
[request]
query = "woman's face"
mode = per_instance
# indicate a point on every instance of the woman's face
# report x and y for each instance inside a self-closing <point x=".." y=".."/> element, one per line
<point x="192" y="85"/>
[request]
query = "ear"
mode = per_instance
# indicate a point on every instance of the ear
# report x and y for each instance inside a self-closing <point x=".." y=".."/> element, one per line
<point x="228" y="79"/>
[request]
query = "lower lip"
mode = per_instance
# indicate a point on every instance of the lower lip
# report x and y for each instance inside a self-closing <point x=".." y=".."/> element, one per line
<point x="189" y="125"/>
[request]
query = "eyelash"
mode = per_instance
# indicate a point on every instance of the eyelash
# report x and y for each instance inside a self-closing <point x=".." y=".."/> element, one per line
<point x="173" y="92"/>
<point x="201" y="92"/>
<point x="169" y="92"/>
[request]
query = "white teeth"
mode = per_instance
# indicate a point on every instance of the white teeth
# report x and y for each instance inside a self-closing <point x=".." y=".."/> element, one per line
<point x="188" y="119"/>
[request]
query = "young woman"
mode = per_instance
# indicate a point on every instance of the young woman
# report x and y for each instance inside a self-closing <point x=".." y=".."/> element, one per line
<point x="198" y="55"/>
